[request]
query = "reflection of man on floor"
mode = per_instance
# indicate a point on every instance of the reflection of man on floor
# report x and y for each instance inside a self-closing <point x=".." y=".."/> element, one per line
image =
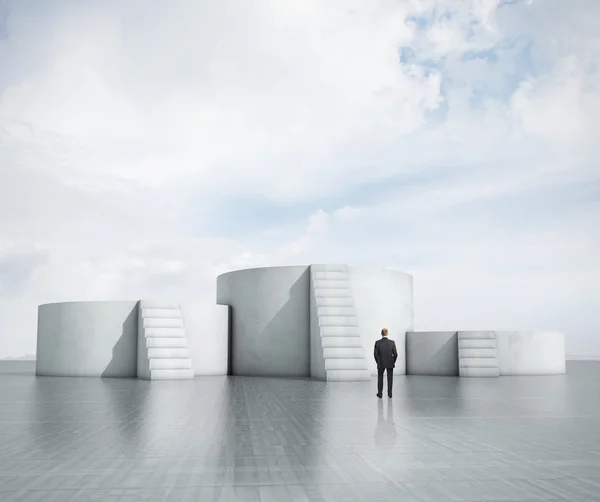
<point x="385" y="357"/>
<point x="385" y="434"/>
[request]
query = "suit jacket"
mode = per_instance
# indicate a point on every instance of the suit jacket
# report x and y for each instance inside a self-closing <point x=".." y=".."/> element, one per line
<point x="385" y="353"/>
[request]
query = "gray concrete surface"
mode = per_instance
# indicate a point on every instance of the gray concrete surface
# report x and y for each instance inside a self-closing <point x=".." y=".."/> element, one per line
<point x="261" y="439"/>
<point x="92" y="339"/>
<point x="432" y="353"/>
<point x="531" y="352"/>
<point x="270" y="320"/>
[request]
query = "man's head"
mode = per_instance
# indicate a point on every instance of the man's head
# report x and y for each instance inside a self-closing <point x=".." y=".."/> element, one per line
<point x="384" y="332"/>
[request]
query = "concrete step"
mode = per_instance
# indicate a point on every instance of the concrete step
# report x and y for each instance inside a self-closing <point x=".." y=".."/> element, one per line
<point x="159" y="304"/>
<point x="164" y="332"/>
<point x="323" y="302"/>
<point x="336" y="311"/>
<point x="162" y="313"/>
<point x="172" y="374"/>
<point x="476" y="335"/>
<point x="346" y="364"/>
<point x="340" y="331"/>
<point x="344" y="353"/>
<point x="341" y="341"/>
<point x="157" y="322"/>
<point x="479" y="372"/>
<point x="477" y="344"/>
<point x="479" y="353"/>
<point x="330" y="284"/>
<point x="170" y="364"/>
<point x="171" y="343"/>
<point x="320" y="267"/>
<point x="348" y="376"/>
<point x="478" y="362"/>
<point x="168" y="353"/>
<point x="331" y="276"/>
<point x="332" y="293"/>
<point x="338" y="321"/>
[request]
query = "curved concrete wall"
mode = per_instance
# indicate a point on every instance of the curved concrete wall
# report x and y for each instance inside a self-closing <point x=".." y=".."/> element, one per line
<point x="207" y="332"/>
<point x="383" y="299"/>
<point x="432" y="353"/>
<point x="531" y="352"/>
<point x="87" y="339"/>
<point x="270" y="320"/>
<point x="270" y="316"/>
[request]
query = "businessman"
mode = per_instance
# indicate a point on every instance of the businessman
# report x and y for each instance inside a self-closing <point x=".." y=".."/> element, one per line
<point x="385" y="357"/>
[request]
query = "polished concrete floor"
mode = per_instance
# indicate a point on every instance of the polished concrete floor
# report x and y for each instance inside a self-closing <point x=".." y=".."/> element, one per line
<point x="258" y="439"/>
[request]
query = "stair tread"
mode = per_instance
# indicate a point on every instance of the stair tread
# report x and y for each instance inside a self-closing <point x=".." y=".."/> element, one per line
<point x="159" y="304"/>
<point x="172" y="374"/>
<point x="361" y="375"/>
<point x="329" y="267"/>
<point x="343" y="353"/>
<point x="168" y="353"/>
<point x="332" y="293"/>
<point x="332" y="302"/>
<point x="481" y="335"/>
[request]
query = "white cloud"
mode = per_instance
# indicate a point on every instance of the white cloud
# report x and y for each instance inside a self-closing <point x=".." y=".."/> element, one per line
<point x="125" y="130"/>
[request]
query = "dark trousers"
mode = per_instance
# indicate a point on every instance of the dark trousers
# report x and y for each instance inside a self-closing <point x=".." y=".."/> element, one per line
<point x="390" y="380"/>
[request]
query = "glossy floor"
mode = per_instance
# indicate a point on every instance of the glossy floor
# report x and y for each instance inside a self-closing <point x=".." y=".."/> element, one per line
<point x="258" y="439"/>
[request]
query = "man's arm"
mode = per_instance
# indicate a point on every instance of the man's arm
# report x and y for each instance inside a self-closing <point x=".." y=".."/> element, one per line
<point x="394" y="352"/>
<point x="376" y="353"/>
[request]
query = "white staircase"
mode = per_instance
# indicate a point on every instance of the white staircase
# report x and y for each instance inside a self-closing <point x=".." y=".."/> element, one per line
<point x="162" y="344"/>
<point x="339" y="354"/>
<point x="477" y="354"/>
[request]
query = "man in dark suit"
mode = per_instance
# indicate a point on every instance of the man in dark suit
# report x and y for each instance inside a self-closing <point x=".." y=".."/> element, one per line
<point x="385" y="357"/>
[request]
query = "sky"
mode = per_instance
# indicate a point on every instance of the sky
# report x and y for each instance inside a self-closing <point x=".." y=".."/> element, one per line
<point x="146" y="147"/>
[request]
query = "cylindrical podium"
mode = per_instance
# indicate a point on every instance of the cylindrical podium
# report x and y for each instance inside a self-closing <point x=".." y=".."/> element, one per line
<point x="271" y="318"/>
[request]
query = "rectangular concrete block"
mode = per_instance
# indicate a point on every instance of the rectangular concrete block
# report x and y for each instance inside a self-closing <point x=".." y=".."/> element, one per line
<point x="432" y="353"/>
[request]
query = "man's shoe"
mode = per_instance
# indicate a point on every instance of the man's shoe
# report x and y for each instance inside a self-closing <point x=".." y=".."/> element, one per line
<point x="390" y="396"/>
<point x="379" y="396"/>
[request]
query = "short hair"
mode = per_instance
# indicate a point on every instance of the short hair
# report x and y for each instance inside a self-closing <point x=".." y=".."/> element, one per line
<point x="384" y="332"/>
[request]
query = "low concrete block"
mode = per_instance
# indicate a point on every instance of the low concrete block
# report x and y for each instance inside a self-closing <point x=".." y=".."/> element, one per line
<point x="432" y="353"/>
